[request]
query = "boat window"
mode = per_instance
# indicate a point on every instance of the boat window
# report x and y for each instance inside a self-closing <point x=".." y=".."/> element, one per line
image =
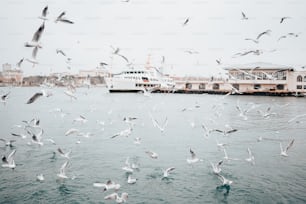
<point x="299" y="87"/>
<point x="188" y="86"/>
<point x="216" y="86"/>
<point x="305" y="87"/>
<point x="257" y="86"/>
<point x="304" y="78"/>
<point x="299" y="78"/>
<point x="280" y="87"/>
<point x="202" y="86"/>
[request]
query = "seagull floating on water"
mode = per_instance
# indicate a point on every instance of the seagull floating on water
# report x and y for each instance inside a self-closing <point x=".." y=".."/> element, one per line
<point x="107" y="186"/>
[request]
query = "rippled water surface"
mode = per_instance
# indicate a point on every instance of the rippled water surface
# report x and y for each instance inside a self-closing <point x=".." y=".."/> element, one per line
<point x="98" y="158"/>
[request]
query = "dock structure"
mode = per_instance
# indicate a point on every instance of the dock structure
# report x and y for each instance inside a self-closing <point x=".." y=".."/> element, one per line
<point x="250" y="79"/>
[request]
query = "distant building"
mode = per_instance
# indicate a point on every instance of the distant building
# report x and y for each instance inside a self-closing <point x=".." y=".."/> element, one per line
<point x="266" y="77"/>
<point x="93" y="73"/>
<point x="10" y="76"/>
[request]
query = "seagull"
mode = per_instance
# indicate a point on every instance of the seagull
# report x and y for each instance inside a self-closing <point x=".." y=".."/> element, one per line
<point x="80" y="119"/>
<point x="255" y="52"/>
<point x="62" y="173"/>
<point x="70" y="94"/>
<point x="44" y="13"/>
<point x="4" y="98"/>
<point x="167" y="171"/>
<point x="71" y="131"/>
<point x="63" y="154"/>
<point x="40" y="177"/>
<point x="125" y="133"/>
<point x="36" y="138"/>
<point x="251" y="157"/>
<point x="153" y="155"/>
<point x="129" y="119"/>
<point x="108" y="185"/>
<point x="282" y="37"/>
<point x="9" y="161"/>
<point x="267" y="32"/>
<point x="283" y="18"/>
<point x="19" y="63"/>
<point x="226" y="132"/>
<point x="62" y="19"/>
<point x="193" y="159"/>
<point x="51" y="140"/>
<point x="207" y="131"/>
<point x="186" y="21"/>
<point x="267" y="113"/>
<point x="61" y="52"/>
<point x="244" y="17"/>
<point x="224" y="180"/>
<point x="191" y="52"/>
<point x="131" y="180"/>
<point x="127" y="166"/>
<point x="8" y="143"/>
<point x="119" y="199"/>
<point x="216" y="167"/>
<point x="159" y="126"/>
<point x="218" y="61"/>
<point x="284" y="152"/>
<point x="137" y="140"/>
<point x="255" y="41"/>
<point x="37" y="95"/>
<point x="33" y="60"/>
<point x="36" y="37"/>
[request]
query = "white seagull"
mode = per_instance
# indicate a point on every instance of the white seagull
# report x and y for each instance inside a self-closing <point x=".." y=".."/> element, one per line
<point x="8" y="143"/>
<point x="224" y="180"/>
<point x="284" y="151"/>
<point x="108" y="185"/>
<point x="153" y="155"/>
<point x="125" y="133"/>
<point x="62" y="173"/>
<point x="9" y="161"/>
<point x="44" y="14"/>
<point x="36" y="38"/>
<point x="38" y="95"/>
<point x="71" y="131"/>
<point x="64" y="154"/>
<point x="119" y="199"/>
<point x="167" y="171"/>
<point x="61" y="18"/>
<point x="40" y="177"/>
<point x="194" y="158"/>
<point x="131" y="180"/>
<point x="216" y="167"/>
<point x="251" y="157"/>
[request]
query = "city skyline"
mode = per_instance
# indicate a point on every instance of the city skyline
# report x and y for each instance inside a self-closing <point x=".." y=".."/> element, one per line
<point x="189" y="36"/>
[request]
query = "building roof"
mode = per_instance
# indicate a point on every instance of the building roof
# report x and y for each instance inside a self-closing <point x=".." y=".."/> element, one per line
<point x="259" y="65"/>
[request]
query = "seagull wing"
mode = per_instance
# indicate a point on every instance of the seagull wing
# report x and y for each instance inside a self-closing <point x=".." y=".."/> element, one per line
<point x="193" y="155"/>
<point x="289" y="145"/>
<point x="61" y="15"/>
<point x="66" y="21"/>
<point x="45" y="11"/>
<point x="34" y="97"/>
<point x="34" y="52"/>
<point x="38" y="33"/>
<point x="11" y="155"/>
<point x="123" y="57"/>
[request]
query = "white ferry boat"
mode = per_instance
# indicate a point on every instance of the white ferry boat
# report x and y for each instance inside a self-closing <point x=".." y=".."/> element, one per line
<point x="136" y="80"/>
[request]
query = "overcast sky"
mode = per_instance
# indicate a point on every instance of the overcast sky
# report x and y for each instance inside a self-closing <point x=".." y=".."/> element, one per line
<point x="153" y="27"/>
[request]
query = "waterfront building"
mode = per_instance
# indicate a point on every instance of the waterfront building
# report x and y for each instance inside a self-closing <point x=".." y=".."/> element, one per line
<point x="10" y="75"/>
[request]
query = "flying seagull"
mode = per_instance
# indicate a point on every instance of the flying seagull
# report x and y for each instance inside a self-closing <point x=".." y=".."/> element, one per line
<point x="119" y="199"/>
<point x="33" y="59"/>
<point x="61" y="18"/>
<point x="19" y="63"/>
<point x="152" y="154"/>
<point x="250" y="39"/>
<point x="61" y="52"/>
<point x="193" y="159"/>
<point x="283" y="18"/>
<point x="64" y="154"/>
<point x="62" y="173"/>
<point x="44" y="13"/>
<point x="284" y="151"/>
<point x="216" y="167"/>
<point x="8" y="143"/>
<point x="251" y="157"/>
<point x="186" y="22"/>
<point x="167" y="171"/>
<point x="4" y="98"/>
<point x="244" y="17"/>
<point x="267" y="32"/>
<point x="9" y="161"/>
<point x="37" y="95"/>
<point x="36" y="37"/>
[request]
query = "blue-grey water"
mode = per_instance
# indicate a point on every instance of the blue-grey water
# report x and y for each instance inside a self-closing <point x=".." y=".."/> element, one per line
<point x="273" y="178"/>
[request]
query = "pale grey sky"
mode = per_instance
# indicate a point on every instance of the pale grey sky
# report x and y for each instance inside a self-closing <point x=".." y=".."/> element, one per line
<point x="143" y="27"/>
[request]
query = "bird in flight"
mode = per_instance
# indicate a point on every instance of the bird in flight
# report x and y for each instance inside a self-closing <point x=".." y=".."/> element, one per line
<point x="267" y="32"/>
<point x="61" y="18"/>
<point x="44" y="13"/>
<point x="244" y="17"/>
<point x="283" y="18"/>
<point x="186" y="22"/>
